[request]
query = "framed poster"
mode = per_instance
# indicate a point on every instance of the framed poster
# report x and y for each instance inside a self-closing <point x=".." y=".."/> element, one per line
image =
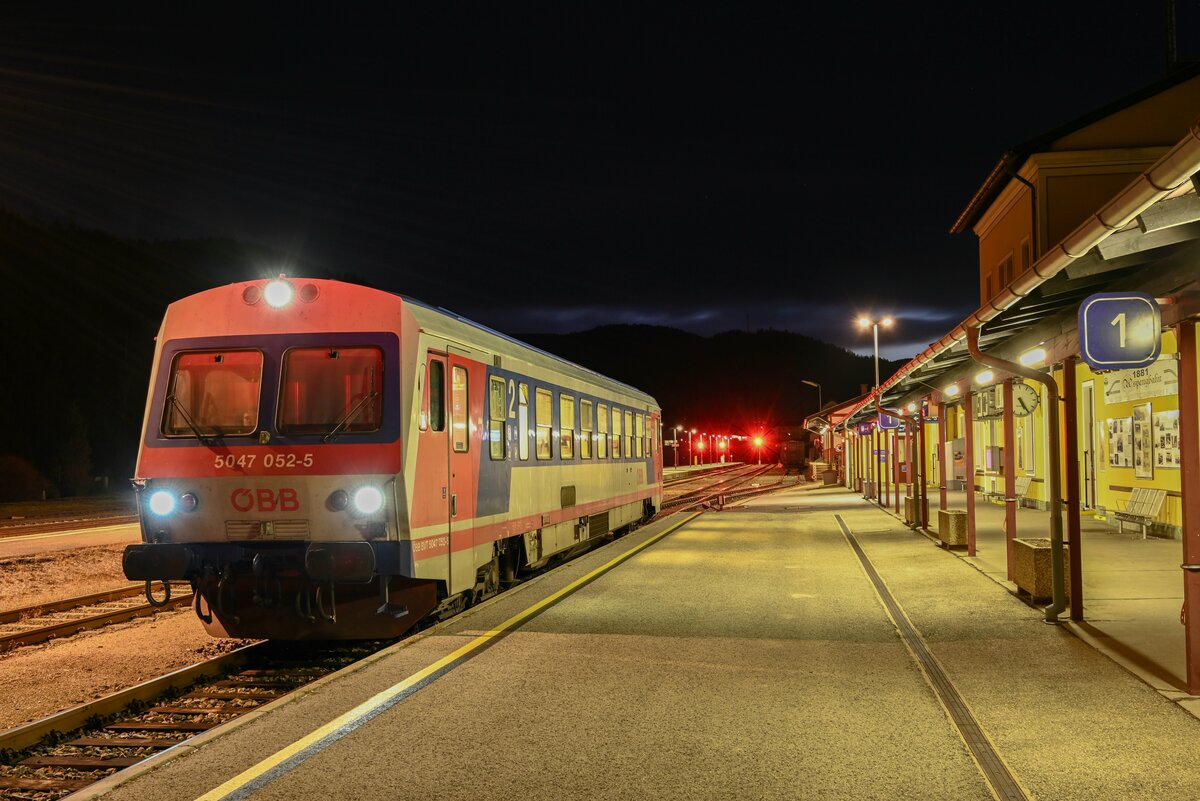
<point x="1166" y="440"/>
<point x="1143" y="442"/>
<point x="1120" y="442"/>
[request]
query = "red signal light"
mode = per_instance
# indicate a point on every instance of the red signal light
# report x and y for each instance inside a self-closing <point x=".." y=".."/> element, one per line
<point x="758" y="442"/>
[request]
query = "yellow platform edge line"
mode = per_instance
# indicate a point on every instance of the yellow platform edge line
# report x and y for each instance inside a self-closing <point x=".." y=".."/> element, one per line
<point x="380" y="698"/>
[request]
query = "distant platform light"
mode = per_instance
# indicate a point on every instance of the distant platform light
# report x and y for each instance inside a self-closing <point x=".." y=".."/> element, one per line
<point x="278" y="293"/>
<point x="1031" y="357"/>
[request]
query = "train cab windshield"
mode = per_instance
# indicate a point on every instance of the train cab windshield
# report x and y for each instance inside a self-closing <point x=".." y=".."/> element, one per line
<point x="213" y="393"/>
<point x="331" y="391"/>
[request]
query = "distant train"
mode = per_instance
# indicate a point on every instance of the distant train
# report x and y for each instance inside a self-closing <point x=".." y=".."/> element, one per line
<point x="327" y="461"/>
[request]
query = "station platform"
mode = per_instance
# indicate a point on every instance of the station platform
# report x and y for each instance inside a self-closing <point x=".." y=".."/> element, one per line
<point x="1132" y="586"/>
<point x="802" y="645"/>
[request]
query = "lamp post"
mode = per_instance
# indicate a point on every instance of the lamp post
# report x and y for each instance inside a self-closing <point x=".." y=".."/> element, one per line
<point x="866" y="322"/>
<point x="863" y="322"/>
<point x="678" y="429"/>
<point x="691" y="453"/>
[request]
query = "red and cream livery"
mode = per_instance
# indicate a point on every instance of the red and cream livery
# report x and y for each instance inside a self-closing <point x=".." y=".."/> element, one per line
<point x="323" y="460"/>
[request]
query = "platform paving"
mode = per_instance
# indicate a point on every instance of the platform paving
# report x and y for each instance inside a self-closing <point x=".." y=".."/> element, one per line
<point x="745" y="655"/>
<point x="1132" y="586"/>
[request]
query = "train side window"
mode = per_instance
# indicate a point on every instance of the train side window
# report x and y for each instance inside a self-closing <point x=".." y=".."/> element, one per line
<point x="628" y="433"/>
<point x="459" y="419"/>
<point x="602" y="431"/>
<point x="543" y="418"/>
<point x="331" y="391"/>
<point x="641" y="435"/>
<point x="523" y="422"/>
<point x="566" y="426"/>
<point x="497" y="426"/>
<point x="585" y="429"/>
<point x="616" y="433"/>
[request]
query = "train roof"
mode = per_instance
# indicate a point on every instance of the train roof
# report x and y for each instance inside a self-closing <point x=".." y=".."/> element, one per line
<point x="528" y="351"/>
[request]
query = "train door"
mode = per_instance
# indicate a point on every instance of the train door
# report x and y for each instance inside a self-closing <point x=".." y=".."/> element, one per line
<point x="434" y="498"/>
<point x="463" y="472"/>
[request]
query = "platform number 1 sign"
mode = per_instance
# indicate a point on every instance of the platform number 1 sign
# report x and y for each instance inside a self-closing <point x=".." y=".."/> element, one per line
<point x="1119" y="330"/>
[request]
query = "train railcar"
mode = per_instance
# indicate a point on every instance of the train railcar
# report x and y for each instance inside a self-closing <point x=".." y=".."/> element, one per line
<point x="323" y="460"/>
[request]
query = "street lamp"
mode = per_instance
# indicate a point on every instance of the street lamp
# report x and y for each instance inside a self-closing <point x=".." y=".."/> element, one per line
<point x="677" y="430"/>
<point x="691" y="453"/>
<point x="864" y="323"/>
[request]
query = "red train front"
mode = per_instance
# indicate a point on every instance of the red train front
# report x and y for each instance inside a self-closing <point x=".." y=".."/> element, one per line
<point x="290" y="445"/>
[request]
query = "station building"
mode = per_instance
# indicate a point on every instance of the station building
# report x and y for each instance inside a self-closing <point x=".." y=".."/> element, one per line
<point x="1017" y="406"/>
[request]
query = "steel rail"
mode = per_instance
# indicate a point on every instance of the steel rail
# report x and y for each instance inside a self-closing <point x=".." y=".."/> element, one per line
<point x="49" y="527"/>
<point x="21" y="737"/>
<point x="69" y="627"/>
<point x="65" y="604"/>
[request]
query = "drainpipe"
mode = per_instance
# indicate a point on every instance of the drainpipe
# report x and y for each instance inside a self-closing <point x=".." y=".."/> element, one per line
<point x="1059" y="603"/>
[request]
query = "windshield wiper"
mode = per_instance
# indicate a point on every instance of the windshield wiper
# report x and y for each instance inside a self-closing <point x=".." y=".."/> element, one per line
<point x="187" y="418"/>
<point x="348" y="416"/>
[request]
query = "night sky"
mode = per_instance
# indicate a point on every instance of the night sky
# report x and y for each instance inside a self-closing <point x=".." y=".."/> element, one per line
<point x="549" y="169"/>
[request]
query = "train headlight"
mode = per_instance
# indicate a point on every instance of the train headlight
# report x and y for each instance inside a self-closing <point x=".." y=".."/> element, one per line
<point x="368" y="500"/>
<point x="162" y="503"/>
<point x="339" y="500"/>
<point x="188" y="502"/>
<point x="278" y="293"/>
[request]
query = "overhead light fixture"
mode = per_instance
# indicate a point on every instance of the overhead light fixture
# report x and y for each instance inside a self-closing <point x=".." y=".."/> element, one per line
<point x="886" y="322"/>
<point x="1032" y="357"/>
<point x="912" y="407"/>
<point x="952" y="390"/>
<point x="985" y="377"/>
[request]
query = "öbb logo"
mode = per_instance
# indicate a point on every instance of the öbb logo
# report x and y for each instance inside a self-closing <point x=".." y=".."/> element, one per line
<point x="265" y="500"/>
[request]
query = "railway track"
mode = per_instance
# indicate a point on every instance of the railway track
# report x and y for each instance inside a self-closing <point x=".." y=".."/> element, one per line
<point x="22" y="528"/>
<point x="48" y="621"/>
<point x="67" y="752"/>
<point x="698" y="475"/>
<point x="725" y="489"/>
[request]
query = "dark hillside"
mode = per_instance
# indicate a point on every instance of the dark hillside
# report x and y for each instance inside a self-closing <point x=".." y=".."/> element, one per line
<point x="81" y="308"/>
<point x="736" y="380"/>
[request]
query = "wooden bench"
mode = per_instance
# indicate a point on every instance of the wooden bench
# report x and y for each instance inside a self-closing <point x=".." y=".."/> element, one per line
<point x="1142" y="508"/>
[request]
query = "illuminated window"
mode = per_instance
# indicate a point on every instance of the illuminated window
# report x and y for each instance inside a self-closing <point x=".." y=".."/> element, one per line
<point x="327" y="389"/>
<point x="523" y="422"/>
<point x="616" y="433"/>
<point x="602" y="431"/>
<point x="218" y="392"/>
<point x="585" y="429"/>
<point x="566" y="426"/>
<point x="497" y="430"/>
<point x="641" y="435"/>
<point x="628" y="433"/>
<point x="459" y="431"/>
<point x="543" y="418"/>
